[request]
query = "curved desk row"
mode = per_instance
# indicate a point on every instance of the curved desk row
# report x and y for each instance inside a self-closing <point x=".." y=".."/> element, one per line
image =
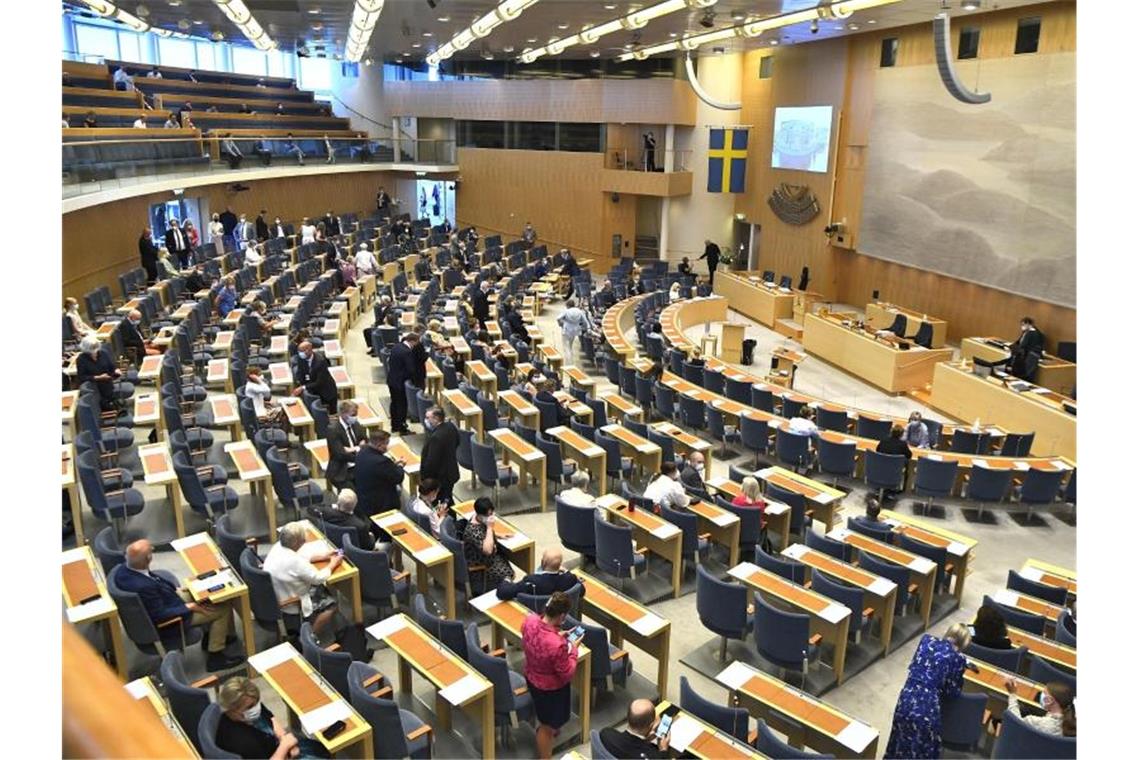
<point x="618" y="320"/>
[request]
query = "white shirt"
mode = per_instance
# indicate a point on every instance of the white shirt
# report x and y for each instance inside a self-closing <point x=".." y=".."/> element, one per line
<point x="154" y="75"/>
<point x="308" y="233"/>
<point x="1049" y="723"/>
<point x="801" y="426"/>
<point x="140" y="123"/>
<point x="217" y="230"/>
<point x="294" y="575"/>
<point x="577" y="497"/>
<point x="422" y="508"/>
<point x="573" y="322"/>
<point x="124" y="77"/>
<point x="365" y="261"/>
<point x="667" y="492"/>
<point x="252" y="257"/>
<point x="260" y="393"/>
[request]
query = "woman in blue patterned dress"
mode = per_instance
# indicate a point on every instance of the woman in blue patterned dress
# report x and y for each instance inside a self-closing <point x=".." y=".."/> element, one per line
<point x="933" y="677"/>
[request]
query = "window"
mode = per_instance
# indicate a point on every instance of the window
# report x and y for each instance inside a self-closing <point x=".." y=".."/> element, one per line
<point x="581" y="138"/>
<point x="766" y="66"/>
<point x="533" y="135"/>
<point x="97" y="41"/>
<point x="208" y="59"/>
<point x="248" y="61"/>
<point x="315" y="74"/>
<point x="481" y="134"/>
<point x="175" y="52"/>
<point x="1028" y="32"/>
<point x="131" y="47"/>
<point x="349" y="70"/>
<point x="889" y="52"/>
<point x="968" y="40"/>
<point x="279" y="65"/>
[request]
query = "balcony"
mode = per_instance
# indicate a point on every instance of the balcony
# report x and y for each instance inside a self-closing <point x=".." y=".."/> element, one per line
<point x="635" y="172"/>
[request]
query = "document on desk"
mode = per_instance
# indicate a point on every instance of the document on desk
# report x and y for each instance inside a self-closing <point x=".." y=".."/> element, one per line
<point x="484" y="602"/>
<point x="735" y="675"/>
<point x="223" y="578"/>
<point x="182" y="544"/>
<point x="136" y="688"/>
<point x="647" y="624"/>
<point x="78" y="554"/>
<point x="393" y="519"/>
<point x="432" y="554"/>
<point x="463" y="689"/>
<point x="324" y="716"/>
<point x="856" y="736"/>
<point x="684" y="732"/>
<point x="387" y="626"/>
<point x="100" y="606"/>
<point x="723" y="519"/>
<point x="272" y="657"/>
<point x="668" y="530"/>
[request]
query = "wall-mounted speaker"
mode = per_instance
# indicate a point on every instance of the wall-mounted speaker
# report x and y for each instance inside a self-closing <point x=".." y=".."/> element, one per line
<point x="615" y="197"/>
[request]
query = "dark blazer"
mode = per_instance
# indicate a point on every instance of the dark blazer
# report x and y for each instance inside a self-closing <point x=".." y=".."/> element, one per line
<point x="894" y="446"/>
<point x="333" y="516"/>
<point x="419" y="364"/>
<point x="712" y="253"/>
<point x="423" y="271"/>
<point x="377" y="479"/>
<point x="148" y="257"/>
<point x="229" y="222"/>
<point x="685" y="268"/>
<point x="132" y="338"/>
<point x="1033" y="341"/>
<point x="569" y="265"/>
<point x="87" y="368"/>
<point x="517" y="325"/>
<point x="480" y="307"/>
<point x="538" y="584"/>
<point x="316" y="379"/>
<point x="338" y="472"/>
<point x="693" y="479"/>
<point x="332" y="225"/>
<point x="401" y="366"/>
<point x="623" y="744"/>
<point x="262" y="228"/>
<point x="171" y="241"/>
<point x="158" y="595"/>
<point x="564" y="415"/>
<point x="438" y="459"/>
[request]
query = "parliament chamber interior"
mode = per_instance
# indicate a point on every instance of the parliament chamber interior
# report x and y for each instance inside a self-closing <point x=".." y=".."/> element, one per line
<point x="567" y="378"/>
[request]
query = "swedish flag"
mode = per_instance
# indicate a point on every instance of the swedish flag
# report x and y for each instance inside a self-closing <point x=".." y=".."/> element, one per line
<point x="727" y="157"/>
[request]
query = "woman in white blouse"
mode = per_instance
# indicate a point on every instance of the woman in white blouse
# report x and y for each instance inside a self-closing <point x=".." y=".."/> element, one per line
<point x="365" y="260"/>
<point x="267" y="411"/>
<point x="294" y="576"/>
<point x="78" y="326"/>
<point x="308" y="231"/>
<point x="1060" y="718"/>
<point x="217" y="232"/>
<point x="252" y="256"/>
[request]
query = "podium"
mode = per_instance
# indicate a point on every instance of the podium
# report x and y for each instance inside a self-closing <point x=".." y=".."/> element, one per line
<point x="731" y="342"/>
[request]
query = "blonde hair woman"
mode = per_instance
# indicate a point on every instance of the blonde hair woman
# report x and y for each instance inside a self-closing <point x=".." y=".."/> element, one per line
<point x="71" y="312"/>
<point x="749" y="495"/>
<point x="248" y="728"/>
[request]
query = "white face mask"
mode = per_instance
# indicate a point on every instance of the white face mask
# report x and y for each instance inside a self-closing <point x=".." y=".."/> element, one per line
<point x="252" y="713"/>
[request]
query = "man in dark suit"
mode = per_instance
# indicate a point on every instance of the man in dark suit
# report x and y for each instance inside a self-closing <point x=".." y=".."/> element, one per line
<point x="693" y="476"/>
<point x="332" y="224"/>
<point x="515" y="321"/>
<point x="1031" y="339"/>
<point x="439" y="459"/>
<point x="177" y="243"/>
<point x="229" y="221"/>
<point x="311" y="373"/>
<point x="423" y="269"/>
<point x="894" y="444"/>
<point x="550" y="577"/>
<point x="568" y="263"/>
<point x="637" y="740"/>
<point x="262" y="226"/>
<point x="480" y="306"/>
<point x="419" y="360"/>
<point x="401" y="367"/>
<point x="148" y="255"/>
<point x="133" y="341"/>
<point x="712" y="254"/>
<point x="378" y="476"/>
<point x="345" y="437"/>
<point x="163" y="601"/>
<point x="344" y="513"/>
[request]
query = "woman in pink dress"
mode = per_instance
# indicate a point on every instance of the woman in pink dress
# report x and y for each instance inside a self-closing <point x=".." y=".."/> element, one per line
<point x="551" y="659"/>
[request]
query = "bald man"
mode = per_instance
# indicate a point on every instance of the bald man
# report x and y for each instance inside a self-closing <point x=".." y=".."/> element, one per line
<point x="164" y="601"/>
<point x="311" y="373"/>
<point x="133" y="340"/>
<point x="550" y="577"/>
<point x="637" y="740"/>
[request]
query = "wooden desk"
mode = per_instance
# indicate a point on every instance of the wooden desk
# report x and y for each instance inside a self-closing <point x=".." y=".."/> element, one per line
<point x="431" y="557"/>
<point x="1052" y="372"/>
<point x="83" y="580"/>
<point x="922" y="570"/>
<point x="551" y="356"/>
<point x="466" y="411"/>
<point x="461" y="348"/>
<point x="957" y="391"/>
<point x="881" y="315"/>
<point x="150" y="368"/>
<point x="333" y="351"/>
<point x="506" y="623"/>
<point x="1062" y="656"/>
<point x="143" y="691"/>
<point x="616" y="322"/>
<point x="878" y="593"/>
<point x="589" y="455"/>
<point x="158" y="470"/>
<point x="576" y="407"/>
<point x="224" y="411"/>
<point x="626" y="619"/>
<point x="529" y="459"/>
<point x="829" y="618"/>
<point x="520" y="410"/>
<point x="346" y="573"/>
<point x="345" y="388"/>
<point x="252" y="470"/>
<point x="482" y="377"/>
<point x="824" y="501"/>
<point x="299" y="418"/>
<point x="687" y="443"/>
<point x="802" y="717"/>
<point x="278" y="346"/>
<point x="200" y="554"/>
<point x="1030" y="604"/>
<point x="367" y="416"/>
<point x="434" y="379"/>
<point x="657" y="534"/>
<point x="681" y="315"/>
<point x="398" y="448"/>
<point x="224" y="339"/>
<point x="959" y="548"/>
<point x="312" y="699"/>
<point x="517" y="543"/>
<point x="689" y="736"/>
<point x="581" y="380"/>
<point x="722" y="527"/>
<point x="71" y="488"/>
<point x="646" y="455"/>
<point x="1050" y="575"/>
<point x="457" y="684"/>
<point x="70" y="402"/>
<point x="863" y="355"/>
<point x="618" y="407"/>
<point x="280" y="375"/>
<point x="777" y="517"/>
<point x="990" y="680"/>
<point x="748" y="294"/>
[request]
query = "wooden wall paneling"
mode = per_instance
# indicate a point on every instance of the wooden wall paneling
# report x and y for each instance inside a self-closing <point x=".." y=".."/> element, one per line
<point x="618" y="218"/>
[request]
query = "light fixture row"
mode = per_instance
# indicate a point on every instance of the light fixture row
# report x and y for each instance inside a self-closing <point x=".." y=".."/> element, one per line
<point x="839" y="9"/>
<point x="237" y="12"/>
<point x="634" y="20"/>
<point x="364" y="18"/>
<point x="507" y="10"/>
<point x="109" y="10"/>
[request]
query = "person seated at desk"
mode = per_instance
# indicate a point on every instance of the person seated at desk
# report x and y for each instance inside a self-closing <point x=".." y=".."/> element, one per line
<point x="637" y="740"/>
<point x="685" y="268"/>
<point x="551" y="577"/>
<point x="427" y="504"/>
<point x="749" y="496"/>
<point x="385" y="315"/>
<point x="226" y="298"/>
<point x="96" y="365"/>
<point x="802" y="423"/>
<point x="515" y="321"/>
<point x="527" y="387"/>
<point x="133" y="341"/>
<point x="894" y="444"/>
<point x="247" y="727"/>
<point x="268" y="411"/>
<point x="423" y="268"/>
<point x="252" y="256"/>
<point x="605" y="297"/>
<point x="567" y="263"/>
<point x="163" y="601"/>
<point x="546" y="395"/>
<point x="164" y="267"/>
<point x="666" y="490"/>
<point x="696" y="357"/>
<point x="479" y="545"/>
<point x="989" y="629"/>
<point x="675" y="292"/>
<point x="71" y="313"/>
<point x="1060" y="718"/>
<point x="692" y="477"/>
<point x="577" y="495"/>
<point x="917" y="434"/>
<point x="343" y="512"/>
<point x="262" y="150"/>
<point x="291" y="568"/>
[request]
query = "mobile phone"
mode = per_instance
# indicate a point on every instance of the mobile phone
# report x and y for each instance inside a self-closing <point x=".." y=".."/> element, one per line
<point x="212" y="589"/>
<point x="206" y="574"/>
<point x="576" y="635"/>
<point x="334" y="729"/>
<point x="666" y="721"/>
<point x="91" y="598"/>
<point x="972" y="667"/>
<point x="399" y="531"/>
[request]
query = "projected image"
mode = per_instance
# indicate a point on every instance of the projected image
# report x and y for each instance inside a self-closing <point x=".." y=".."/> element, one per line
<point x="435" y="200"/>
<point x="801" y="138"/>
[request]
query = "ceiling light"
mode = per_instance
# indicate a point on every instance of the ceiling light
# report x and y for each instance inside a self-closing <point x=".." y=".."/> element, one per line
<point x="637" y="18"/>
<point x="415" y="44"/>
<point x="142" y="11"/>
<point x="111" y="11"/>
<point x="738" y="15"/>
<point x="317" y="26"/>
<point x="853" y="26"/>
<point x="672" y="34"/>
<point x="237" y="12"/>
<point x="427" y="34"/>
<point x="508" y="48"/>
<point x="532" y="40"/>
<point x="594" y="53"/>
<point x="563" y="26"/>
<point x="367" y="61"/>
<point x="970" y="5"/>
<point x="507" y="10"/>
<point x="198" y="22"/>
<point x="314" y="11"/>
<point x="609" y="6"/>
<point x="174" y="3"/>
<point x="443" y="19"/>
<point x="773" y="41"/>
<point x="365" y="14"/>
<point x="872" y="21"/>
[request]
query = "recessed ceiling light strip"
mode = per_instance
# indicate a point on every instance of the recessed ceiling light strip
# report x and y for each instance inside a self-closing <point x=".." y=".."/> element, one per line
<point x="508" y="10"/>
<point x="237" y="12"/>
<point x="110" y="10"/>
<point x="364" y="18"/>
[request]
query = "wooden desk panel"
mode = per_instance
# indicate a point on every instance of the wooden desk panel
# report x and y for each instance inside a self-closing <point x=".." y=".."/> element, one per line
<point x="681" y="315"/>
<point x="431" y="557"/>
<point x="747" y="294"/>
<point x="881" y="315"/>
<point x="1052" y="372"/>
<point x="660" y="536"/>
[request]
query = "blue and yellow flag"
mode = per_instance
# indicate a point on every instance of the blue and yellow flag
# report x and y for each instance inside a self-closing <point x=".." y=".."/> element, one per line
<point x="728" y="153"/>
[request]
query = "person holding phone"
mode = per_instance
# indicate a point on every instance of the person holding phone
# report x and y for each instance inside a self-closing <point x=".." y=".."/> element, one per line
<point x="248" y="728"/>
<point x="551" y="659"/>
<point x="640" y="737"/>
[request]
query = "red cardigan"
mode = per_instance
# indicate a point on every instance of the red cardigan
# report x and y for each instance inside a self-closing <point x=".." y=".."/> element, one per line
<point x="550" y="664"/>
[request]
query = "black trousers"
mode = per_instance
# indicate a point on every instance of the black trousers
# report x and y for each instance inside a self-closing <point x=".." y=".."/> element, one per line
<point x="398" y="410"/>
<point x="712" y="271"/>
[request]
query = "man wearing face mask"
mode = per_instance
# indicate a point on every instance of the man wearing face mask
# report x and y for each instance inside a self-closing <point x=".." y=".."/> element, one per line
<point x="131" y="331"/>
<point x="377" y="475"/>
<point x="278" y="229"/>
<point x="439" y="459"/>
<point x="345" y="437"/>
<point x="311" y="373"/>
<point x="248" y="728"/>
<point x="96" y="365"/>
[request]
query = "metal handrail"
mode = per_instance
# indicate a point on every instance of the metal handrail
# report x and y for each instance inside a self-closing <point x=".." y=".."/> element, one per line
<point x="352" y="110"/>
